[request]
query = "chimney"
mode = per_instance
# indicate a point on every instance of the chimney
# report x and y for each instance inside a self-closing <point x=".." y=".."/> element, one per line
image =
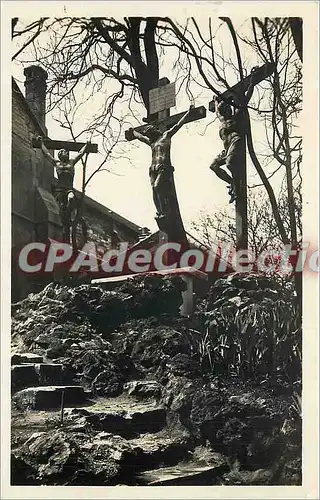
<point x="35" y="85"/>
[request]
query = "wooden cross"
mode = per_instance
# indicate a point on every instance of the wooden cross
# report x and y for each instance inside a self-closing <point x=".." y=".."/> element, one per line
<point x="172" y="229"/>
<point x="67" y="145"/>
<point x="65" y="210"/>
<point x="260" y="74"/>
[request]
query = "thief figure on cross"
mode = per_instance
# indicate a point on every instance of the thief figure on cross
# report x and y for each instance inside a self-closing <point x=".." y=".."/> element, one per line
<point x="161" y="170"/>
<point x="64" y="192"/>
<point x="231" y="132"/>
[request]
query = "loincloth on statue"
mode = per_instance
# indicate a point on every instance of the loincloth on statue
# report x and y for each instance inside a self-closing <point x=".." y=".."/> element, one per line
<point x="232" y="153"/>
<point x="61" y="195"/>
<point x="162" y="170"/>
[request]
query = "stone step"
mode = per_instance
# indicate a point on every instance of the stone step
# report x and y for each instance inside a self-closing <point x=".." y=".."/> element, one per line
<point x="31" y="375"/>
<point x="23" y="376"/>
<point x="183" y="474"/>
<point x="26" y="357"/>
<point x="49" y="397"/>
<point x="122" y="416"/>
<point x="49" y="374"/>
<point x="146" y="452"/>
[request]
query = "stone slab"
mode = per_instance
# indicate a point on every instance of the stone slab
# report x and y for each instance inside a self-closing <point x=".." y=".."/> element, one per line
<point x="26" y="357"/>
<point x="49" y="397"/>
<point x="182" y="474"/>
<point x="49" y="374"/>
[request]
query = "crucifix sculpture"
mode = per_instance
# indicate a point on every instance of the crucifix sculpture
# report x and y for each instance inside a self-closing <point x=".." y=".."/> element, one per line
<point x="64" y="191"/>
<point x="157" y="134"/>
<point x="231" y="108"/>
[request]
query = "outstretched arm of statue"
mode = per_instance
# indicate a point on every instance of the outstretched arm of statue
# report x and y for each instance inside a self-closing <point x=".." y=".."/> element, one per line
<point x="248" y="95"/>
<point x="80" y="154"/>
<point x="45" y="151"/>
<point x="174" y="129"/>
<point x="141" y="137"/>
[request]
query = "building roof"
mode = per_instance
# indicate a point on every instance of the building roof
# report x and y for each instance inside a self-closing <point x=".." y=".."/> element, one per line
<point x="110" y="213"/>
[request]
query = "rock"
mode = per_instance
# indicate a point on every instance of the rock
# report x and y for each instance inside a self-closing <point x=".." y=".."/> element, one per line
<point x="143" y="389"/>
<point x="60" y="458"/>
<point x="113" y="423"/>
<point x="160" y="449"/>
<point x="204" y="455"/>
<point x="290" y="469"/>
<point x="177" y="398"/>
<point x="108" y="383"/>
<point x="235" y="435"/>
<point x="43" y="398"/>
<point x="148" y="420"/>
<point x="104" y="371"/>
<point x="184" y="365"/>
<point x="260" y="477"/>
<point x="23" y="376"/>
<point x="27" y="357"/>
<point x="43" y="340"/>
<point x="20" y="472"/>
<point x="65" y="457"/>
<point x="159" y="343"/>
<point x="245" y="425"/>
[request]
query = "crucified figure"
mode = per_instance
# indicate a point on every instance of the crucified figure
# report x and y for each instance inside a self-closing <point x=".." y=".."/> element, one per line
<point x="231" y="133"/>
<point x="64" y="191"/>
<point x="161" y="169"/>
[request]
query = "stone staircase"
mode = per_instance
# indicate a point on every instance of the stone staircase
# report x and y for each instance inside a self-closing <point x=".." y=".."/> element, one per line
<point x="36" y="384"/>
<point x="132" y="427"/>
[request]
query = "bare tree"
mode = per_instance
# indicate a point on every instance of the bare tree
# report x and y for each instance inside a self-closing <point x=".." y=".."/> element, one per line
<point x="95" y="51"/>
<point x="263" y="232"/>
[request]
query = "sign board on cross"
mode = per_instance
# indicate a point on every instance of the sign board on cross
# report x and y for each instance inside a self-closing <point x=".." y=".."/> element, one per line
<point x="162" y="98"/>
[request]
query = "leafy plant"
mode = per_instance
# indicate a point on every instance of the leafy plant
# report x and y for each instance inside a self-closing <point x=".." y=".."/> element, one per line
<point x="251" y="328"/>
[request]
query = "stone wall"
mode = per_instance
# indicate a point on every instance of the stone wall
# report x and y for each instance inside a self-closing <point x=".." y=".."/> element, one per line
<point x="29" y="170"/>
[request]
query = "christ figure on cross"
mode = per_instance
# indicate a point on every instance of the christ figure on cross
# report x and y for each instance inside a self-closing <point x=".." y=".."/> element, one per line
<point x="161" y="169"/>
<point x="231" y="133"/>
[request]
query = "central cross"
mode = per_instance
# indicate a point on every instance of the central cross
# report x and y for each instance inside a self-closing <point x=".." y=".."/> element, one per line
<point x="157" y="133"/>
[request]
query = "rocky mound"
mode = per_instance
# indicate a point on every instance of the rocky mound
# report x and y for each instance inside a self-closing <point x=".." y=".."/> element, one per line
<point x="211" y="374"/>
